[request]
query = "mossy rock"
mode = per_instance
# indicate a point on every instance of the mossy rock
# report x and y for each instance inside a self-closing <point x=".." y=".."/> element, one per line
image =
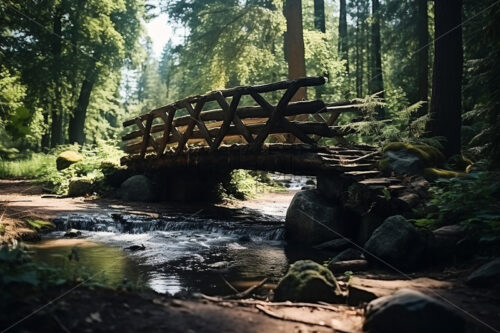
<point x="307" y="281"/>
<point x="430" y="155"/>
<point x="434" y="173"/>
<point x="459" y="162"/>
<point x="80" y="187"/>
<point x="66" y="158"/>
<point x="40" y="225"/>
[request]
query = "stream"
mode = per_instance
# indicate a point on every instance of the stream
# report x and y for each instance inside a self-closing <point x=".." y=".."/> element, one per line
<point x="184" y="251"/>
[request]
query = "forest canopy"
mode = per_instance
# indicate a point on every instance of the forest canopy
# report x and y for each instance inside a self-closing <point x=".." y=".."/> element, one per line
<point x="71" y="71"/>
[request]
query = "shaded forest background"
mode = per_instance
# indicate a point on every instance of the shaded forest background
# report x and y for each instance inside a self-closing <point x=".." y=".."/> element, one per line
<point x="71" y="71"/>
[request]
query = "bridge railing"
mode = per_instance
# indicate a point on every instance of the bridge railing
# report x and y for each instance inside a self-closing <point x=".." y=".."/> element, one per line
<point x="252" y="123"/>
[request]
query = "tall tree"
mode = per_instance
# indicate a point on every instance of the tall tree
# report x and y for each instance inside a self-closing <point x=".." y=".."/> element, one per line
<point x="294" y="44"/>
<point x="319" y="15"/>
<point x="376" y="80"/>
<point x="446" y="101"/>
<point x="343" y="40"/>
<point x="423" y="50"/>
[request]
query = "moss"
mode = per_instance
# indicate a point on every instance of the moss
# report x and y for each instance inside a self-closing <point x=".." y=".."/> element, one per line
<point x="459" y="162"/>
<point x="309" y="282"/>
<point x="431" y="156"/>
<point x="80" y="187"/>
<point x="39" y="225"/>
<point x="433" y="173"/>
<point x="383" y="164"/>
<point x="66" y="158"/>
<point x="2" y="229"/>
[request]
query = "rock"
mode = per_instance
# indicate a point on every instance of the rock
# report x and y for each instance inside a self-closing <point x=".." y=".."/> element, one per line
<point x="80" y="187"/>
<point x="447" y="238"/>
<point x="402" y="162"/>
<point x="72" y="233"/>
<point x="310" y="219"/>
<point x="333" y="187"/>
<point x="348" y="265"/>
<point x="348" y="254"/>
<point x="66" y="158"/>
<point x="487" y="275"/>
<point x="136" y="188"/>
<point x="408" y="201"/>
<point x="411" y="311"/>
<point x="310" y="182"/>
<point x="333" y="245"/>
<point x="307" y="281"/>
<point x="399" y="243"/>
<point x="136" y="247"/>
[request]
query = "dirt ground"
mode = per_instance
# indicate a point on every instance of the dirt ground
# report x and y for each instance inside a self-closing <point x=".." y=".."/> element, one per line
<point x="83" y="309"/>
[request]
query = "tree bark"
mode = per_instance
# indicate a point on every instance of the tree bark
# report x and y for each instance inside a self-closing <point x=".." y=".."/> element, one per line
<point x="376" y="80"/>
<point x="76" y="131"/>
<point x="423" y="50"/>
<point x="294" y="44"/>
<point x="343" y="41"/>
<point x="319" y="15"/>
<point x="446" y="100"/>
<point x="56" y="105"/>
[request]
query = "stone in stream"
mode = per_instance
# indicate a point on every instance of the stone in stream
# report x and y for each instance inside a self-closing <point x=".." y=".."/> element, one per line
<point x="398" y="243"/>
<point x="307" y="281"/>
<point x="72" y="233"/>
<point x="411" y="311"/>
<point x="310" y="219"/>
<point x="136" y="188"/>
<point x="488" y="275"/>
<point x="333" y="245"/>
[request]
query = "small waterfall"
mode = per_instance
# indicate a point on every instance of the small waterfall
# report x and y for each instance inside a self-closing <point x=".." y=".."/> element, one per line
<point x="137" y="224"/>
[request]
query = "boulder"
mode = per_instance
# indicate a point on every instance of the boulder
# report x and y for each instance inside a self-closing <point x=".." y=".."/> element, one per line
<point x="136" y="188"/>
<point x="66" y="158"/>
<point x="399" y="243"/>
<point x="402" y="162"/>
<point x="333" y="187"/>
<point x="72" y="233"/>
<point x="307" y="281"/>
<point x="348" y="254"/>
<point x="80" y="187"/>
<point x="333" y="245"/>
<point x="410" y="311"/>
<point x="310" y="219"/>
<point x="487" y="275"/>
<point x="447" y="238"/>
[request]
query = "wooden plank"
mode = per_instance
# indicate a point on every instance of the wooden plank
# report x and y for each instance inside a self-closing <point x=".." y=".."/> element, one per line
<point x="231" y="116"/>
<point x="168" y="117"/>
<point x="200" y="124"/>
<point x="186" y="135"/>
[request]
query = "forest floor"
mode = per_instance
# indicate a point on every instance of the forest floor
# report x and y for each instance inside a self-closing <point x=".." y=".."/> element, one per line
<point x="88" y="309"/>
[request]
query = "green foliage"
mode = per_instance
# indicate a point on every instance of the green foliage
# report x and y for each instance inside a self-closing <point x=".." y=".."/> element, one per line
<point x="472" y="201"/>
<point x="33" y="167"/>
<point x="244" y="184"/>
<point x="40" y="225"/>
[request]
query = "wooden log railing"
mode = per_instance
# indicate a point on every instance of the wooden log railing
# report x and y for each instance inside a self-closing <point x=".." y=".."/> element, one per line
<point x="252" y="123"/>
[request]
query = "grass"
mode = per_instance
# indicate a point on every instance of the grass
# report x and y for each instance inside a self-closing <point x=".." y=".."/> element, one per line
<point x="30" y="168"/>
<point x="39" y="224"/>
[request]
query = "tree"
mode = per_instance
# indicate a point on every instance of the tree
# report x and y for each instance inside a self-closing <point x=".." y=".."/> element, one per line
<point x="294" y="44"/>
<point x="376" y="80"/>
<point x="446" y="100"/>
<point x="343" y="48"/>
<point x="319" y="15"/>
<point x="422" y="50"/>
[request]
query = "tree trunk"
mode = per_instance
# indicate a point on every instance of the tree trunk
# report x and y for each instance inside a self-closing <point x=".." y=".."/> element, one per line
<point x="343" y="45"/>
<point x="376" y="80"/>
<point x="358" y="55"/>
<point x="319" y="15"/>
<point x="56" y="105"/>
<point x="446" y="100"/>
<point x="76" y="131"/>
<point x="294" y="44"/>
<point x="423" y="50"/>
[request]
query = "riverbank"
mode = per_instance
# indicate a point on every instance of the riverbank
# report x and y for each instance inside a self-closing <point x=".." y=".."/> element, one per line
<point x="95" y="309"/>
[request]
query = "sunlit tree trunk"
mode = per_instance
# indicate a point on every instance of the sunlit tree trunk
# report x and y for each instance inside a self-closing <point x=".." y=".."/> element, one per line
<point x="446" y="100"/>
<point x="423" y="50"/>
<point x="294" y="44"/>
<point x="56" y="105"/>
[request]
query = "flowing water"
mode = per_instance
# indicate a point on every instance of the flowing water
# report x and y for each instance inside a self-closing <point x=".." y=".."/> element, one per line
<point x="183" y="252"/>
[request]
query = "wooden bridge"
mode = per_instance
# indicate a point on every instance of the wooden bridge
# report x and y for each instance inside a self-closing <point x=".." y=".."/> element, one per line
<point x="234" y="137"/>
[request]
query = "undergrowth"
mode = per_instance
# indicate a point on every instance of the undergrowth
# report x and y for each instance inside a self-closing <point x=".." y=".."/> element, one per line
<point x="245" y="184"/>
